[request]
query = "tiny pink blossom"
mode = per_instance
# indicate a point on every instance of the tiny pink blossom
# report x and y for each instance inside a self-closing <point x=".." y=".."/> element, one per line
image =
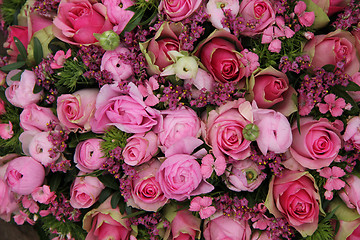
<point x="43" y="194"/>
<point x="305" y="18"/>
<point x="30" y="204"/>
<point x="203" y="206"/>
<point x="60" y="58"/>
<point x="6" y="130"/>
<point x="333" y="182"/>
<point x="309" y="35"/>
<point x="275" y="46"/>
<point x="208" y="165"/>
<point x="335" y="107"/>
<point x="250" y="61"/>
<point x="21" y="217"/>
<point x="147" y="91"/>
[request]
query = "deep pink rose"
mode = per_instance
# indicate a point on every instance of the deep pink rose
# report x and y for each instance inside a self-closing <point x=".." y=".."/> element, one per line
<point x="140" y="148"/>
<point x="179" y="9"/>
<point x="220" y="54"/>
<point x="24" y="174"/>
<point x="20" y="93"/>
<point x="78" y="20"/>
<point x="36" y="118"/>
<point x="185" y="226"/>
<point x="351" y="193"/>
<point x="106" y="222"/>
<point x="22" y="34"/>
<point x="146" y="193"/>
<point x="295" y="196"/>
<point x="333" y="48"/>
<point x="318" y="144"/>
<point x="8" y="204"/>
<point x="352" y="132"/>
<point x="179" y="123"/>
<point x="126" y="111"/>
<point x="156" y="49"/>
<point x="118" y="13"/>
<point x="76" y="110"/>
<point x="88" y="155"/>
<point x="259" y="13"/>
<point x="85" y="191"/>
<point x="224" y="227"/>
<point x="224" y="128"/>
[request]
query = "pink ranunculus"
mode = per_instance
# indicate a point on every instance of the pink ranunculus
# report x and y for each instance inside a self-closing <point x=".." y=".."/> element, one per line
<point x="224" y="128"/>
<point x="295" y="196"/>
<point x="126" y="111"/>
<point x="113" y="63"/>
<point x="85" y="191"/>
<point x="156" y="50"/>
<point x="88" y="155"/>
<point x="24" y="174"/>
<point x="22" y="34"/>
<point x="36" y="118"/>
<point x="118" y="13"/>
<point x="352" y="132"/>
<point x="40" y="149"/>
<point x="274" y="131"/>
<point x="6" y="130"/>
<point x="146" y="193"/>
<point x="243" y="175"/>
<point x="351" y="194"/>
<point x="318" y="144"/>
<point x="179" y="123"/>
<point x="78" y="20"/>
<point x="259" y="13"/>
<point x="76" y="110"/>
<point x="224" y="227"/>
<point x="106" y="222"/>
<point x="179" y="9"/>
<point x="20" y="93"/>
<point x="8" y="204"/>
<point x="185" y="226"/>
<point x="220" y="54"/>
<point x="332" y="48"/>
<point x="355" y="94"/>
<point x="140" y="148"/>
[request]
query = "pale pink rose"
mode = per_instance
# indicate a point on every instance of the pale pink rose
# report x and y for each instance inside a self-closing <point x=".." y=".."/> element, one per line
<point x="297" y="189"/>
<point x="224" y="128"/>
<point x="202" y="81"/>
<point x="6" y="130"/>
<point x="179" y="123"/>
<point x="43" y="194"/>
<point x="118" y="13"/>
<point x="333" y="48"/>
<point x="243" y="175"/>
<point x="40" y="149"/>
<point x="36" y="118"/>
<point x="78" y="20"/>
<point x="113" y="63"/>
<point x="146" y="193"/>
<point x="126" y="111"/>
<point x="318" y="144"/>
<point x="140" y="148"/>
<point x="106" y="222"/>
<point x="179" y="9"/>
<point x="224" y="227"/>
<point x="355" y="94"/>
<point x="185" y="226"/>
<point x="352" y="132"/>
<point x="85" y="191"/>
<point x="24" y="174"/>
<point x="259" y="13"/>
<point x="351" y="194"/>
<point x="274" y="131"/>
<point x="331" y="7"/>
<point x="88" y="155"/>
<point x="8" y="204"/>
<point x="215" y="8"/>
<point x="20" y="93"/>
<point x="21" y="33"/>
<point x="76" y="110"/>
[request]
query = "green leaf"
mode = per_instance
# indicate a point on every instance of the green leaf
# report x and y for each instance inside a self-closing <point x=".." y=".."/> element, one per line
<point x="134" y="21"/>
<point x="115" y="199"/>
<point x="329" y="68"/>
<point x="105" y="193"/>
<point x="122" y="207"/>
<point x="149" y="19"/>
<point x="12" y="66"/>
<point x="55" y="181"/>
<point x="17" y="76"/>
<point x="37" y="89"/>
<point x="109" y="181"/>
<point x="21" y="48"/>
<point x="352" y="87"/>
<point x="81" y="137"/>
<point x="134" y="214"/>
<point x="38" y="51"/>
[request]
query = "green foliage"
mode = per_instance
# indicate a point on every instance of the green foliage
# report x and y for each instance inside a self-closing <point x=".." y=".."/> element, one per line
<point x="50" y="223"/>
<point x="10" y="9"/>
<point x="113" y="138"/>
<point x="323" y="232"/>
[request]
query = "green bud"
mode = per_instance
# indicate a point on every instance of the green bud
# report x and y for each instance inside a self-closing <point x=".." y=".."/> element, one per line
<point x="108" y="40"/>
<point x="250" y="132"/>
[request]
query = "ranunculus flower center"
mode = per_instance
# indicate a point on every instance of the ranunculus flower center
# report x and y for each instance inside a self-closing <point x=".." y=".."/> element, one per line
<point x="14" y="176"/>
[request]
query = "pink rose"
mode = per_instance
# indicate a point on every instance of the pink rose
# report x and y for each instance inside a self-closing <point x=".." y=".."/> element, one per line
<point x="185" y="226"/>
<point x="113" y="63"/>
<point x="88" y="155"/>
<point x="6" y="130"/>
<point x="128" y="112"/>
<point x="224" y="227"/>
<point x="118" y="13"/>
<point x="179" y="10"/>
<point x="20" y="93"/>
<point x="76" y="110"/>
<point x="179" y="123"/>
<point x="224" y="128"/>
<point x="146" y="193"/>
<point x="106" y="222"/>
<point x="220" y="54"/>
<point x="140" y="148"/>
<point x="331" y="7"/>
<point x="156" y="50"/>
<point x="24" y="174"/>
<point x="351" y="194"/>
<point x="295" y="196"/>
<point x="333" y="48"/>
<point x="318" y="144"/>
<point x="243" y="175"/>
<point x="258" y="13"/>
<point x="85" y="191"/>
<point x="35" y="118"/>
<point x="8" y="204"/>
<point x="22" y="34"/>
<point x="352" y="132"/>
<point x="78" y="20"/>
